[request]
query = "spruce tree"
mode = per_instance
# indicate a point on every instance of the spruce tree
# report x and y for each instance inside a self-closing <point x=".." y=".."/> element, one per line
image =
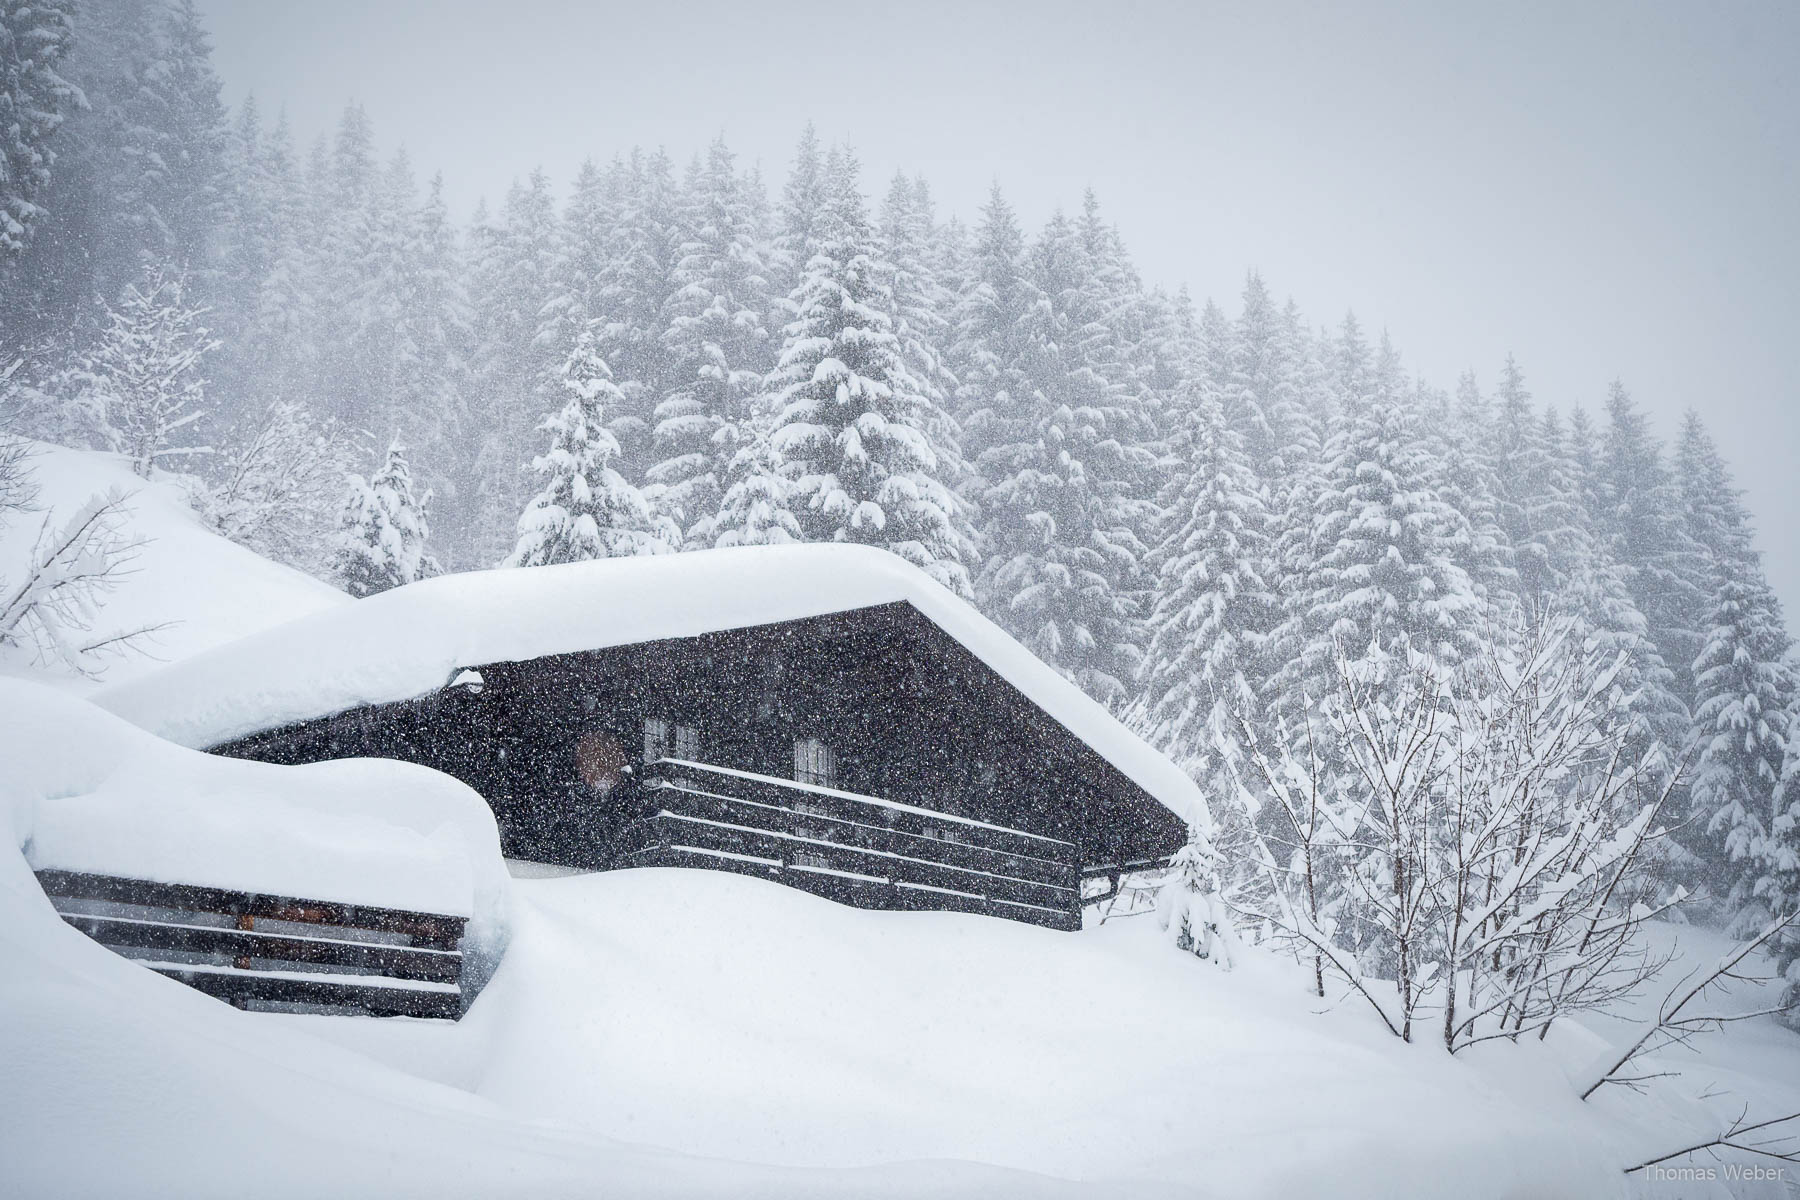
<point x="718" y="347"/>
<point x="382" y="531"/>
<point x="1385" y="554"/>
<point x="1744" y="682"/>
<point x="515" y="377"/>
<point x="1213" y="606"/>
<point x="853" y="424"/>
<point x="1639" y="519"/>
<point x="34" y="101"/>
<point x="584" y="508"/>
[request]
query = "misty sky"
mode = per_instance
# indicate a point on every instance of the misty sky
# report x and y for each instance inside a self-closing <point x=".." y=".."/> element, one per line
<point x="1604" y="190"/>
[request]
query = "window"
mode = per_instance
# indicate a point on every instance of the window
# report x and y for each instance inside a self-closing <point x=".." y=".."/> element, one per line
<point x="656" y="739"/>
<point x="814" y="762"/>
<point x="670" y="739"/>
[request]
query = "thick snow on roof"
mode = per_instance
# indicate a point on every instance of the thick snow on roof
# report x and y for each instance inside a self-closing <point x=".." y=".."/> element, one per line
<point x="411" y="641"/>
<point x="83" y="790"/>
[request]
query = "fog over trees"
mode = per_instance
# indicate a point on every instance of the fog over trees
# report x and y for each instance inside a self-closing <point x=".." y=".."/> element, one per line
<point x="1215" y="517"/>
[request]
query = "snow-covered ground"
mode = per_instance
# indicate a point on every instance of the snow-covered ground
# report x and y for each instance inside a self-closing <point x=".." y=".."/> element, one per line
<point x="682" y="1033"/>
<point x="198" y="588"/>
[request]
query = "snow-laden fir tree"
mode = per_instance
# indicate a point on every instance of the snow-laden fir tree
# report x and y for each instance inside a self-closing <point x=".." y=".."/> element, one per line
<point x="987" y="352"/>
<point x="584" y="509"/>
<point x="514" y="376"/>
<point x="382" y="531"/>
<point x="638" y="280"/>
<point x="853" y="422"/>
<point x="1778" y="889"/>
<point x="1745" y="691"/>
<point x="1064" y="473"/>
<point x="754" y="510"/>
<point x="922" y="307"/>
<point x="143" y="383"/>
<point x="1263" y="396"/>
<point x="1744" y="684"/>
<point x="1577" y="574"/>
<point x="718" y="346"/>
<point x="34" y="100"/>
<point x="1468" y="484"/>
<point x="1213" y="607"/>
<point x="1639" y="520"/>
<point x="1385" y="555"/>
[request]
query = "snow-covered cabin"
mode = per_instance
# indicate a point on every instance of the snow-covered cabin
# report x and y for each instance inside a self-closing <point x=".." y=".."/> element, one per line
<point x="825" y="715"/>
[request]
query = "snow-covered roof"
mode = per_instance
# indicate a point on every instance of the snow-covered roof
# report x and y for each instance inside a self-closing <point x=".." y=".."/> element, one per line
<point x="410" y="641"/>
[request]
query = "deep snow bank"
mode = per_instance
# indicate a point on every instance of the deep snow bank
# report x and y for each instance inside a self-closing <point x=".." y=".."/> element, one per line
<point x="200" y="588"/>
<point x="83" y="790"/>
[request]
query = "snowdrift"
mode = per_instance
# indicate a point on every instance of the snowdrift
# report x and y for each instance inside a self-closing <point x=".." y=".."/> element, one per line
<point x="85" y="791"/>
<point x="414" y="639"/>
<point x="200" y="588"/>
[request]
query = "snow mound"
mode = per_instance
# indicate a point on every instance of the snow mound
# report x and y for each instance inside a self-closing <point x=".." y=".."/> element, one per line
<point x="201" y="589"/>
<point x="85" y="791"/>
<point x="412" y="640"/>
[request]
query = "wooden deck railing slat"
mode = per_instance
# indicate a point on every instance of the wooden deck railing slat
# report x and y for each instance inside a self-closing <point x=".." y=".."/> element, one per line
<point x="833" y="845"/>
<point x="334" y="969"/>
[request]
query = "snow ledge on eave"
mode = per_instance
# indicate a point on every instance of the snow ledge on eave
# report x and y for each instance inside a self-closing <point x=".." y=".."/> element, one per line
<point x="412" y="640"/>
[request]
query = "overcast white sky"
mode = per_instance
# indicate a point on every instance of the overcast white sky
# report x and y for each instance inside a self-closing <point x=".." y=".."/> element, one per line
<point x="1603" y="189"/>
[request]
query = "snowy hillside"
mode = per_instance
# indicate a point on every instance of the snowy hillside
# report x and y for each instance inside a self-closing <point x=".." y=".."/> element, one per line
<point x="197" y="589"/>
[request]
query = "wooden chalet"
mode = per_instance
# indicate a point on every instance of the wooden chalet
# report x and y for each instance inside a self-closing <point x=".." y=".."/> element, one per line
<point x="824" y="716"/>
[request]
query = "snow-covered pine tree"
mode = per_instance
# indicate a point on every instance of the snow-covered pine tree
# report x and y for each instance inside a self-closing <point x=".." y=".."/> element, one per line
<point x="278" y="349"/>
<point x="382" y="531"/>
<point x="1213" y="608"/>
<point x="1639" y="520"/>
<point x="852" y="422"/>
<point x="1469" y="485"/>
<point x="1744" y="682"/>
<point x="1578" y="577"/>
<point x="347" y="254"/>
<point x="1779" y="887"/>
<point x="986" y="349"/>
<point x="34" y="100"/>
<point x="719" y="347"/>
<point x="922" y="311"/>
<point x="139" y="176"/>
<point x="1385" y="552"/>
<point x="1745" y="693"/>
<point x="802" y="199"/>
<point x="637" y="281"/>
<point x="515" y="377"/>
<point x="755" y="509"/>
<point x="1061" y="510"/>
<point x="427" y="372"/>
<point x="185" y="177"/>
<point x="585" y="509"/>
<point x="143" y="382"/>
<point x="575" y="277"/>
<point x="1263" y="397"/>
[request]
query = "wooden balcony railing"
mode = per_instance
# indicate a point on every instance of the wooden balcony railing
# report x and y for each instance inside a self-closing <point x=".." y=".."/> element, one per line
<point x="860" y="850"/>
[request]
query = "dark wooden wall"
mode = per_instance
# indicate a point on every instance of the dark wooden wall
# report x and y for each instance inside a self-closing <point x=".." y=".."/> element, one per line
<point x="911" y="714"/>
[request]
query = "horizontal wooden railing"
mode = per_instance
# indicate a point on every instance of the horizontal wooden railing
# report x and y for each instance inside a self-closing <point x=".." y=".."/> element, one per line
<point x="862" y="850"/>
<point x="274" y="950"/>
